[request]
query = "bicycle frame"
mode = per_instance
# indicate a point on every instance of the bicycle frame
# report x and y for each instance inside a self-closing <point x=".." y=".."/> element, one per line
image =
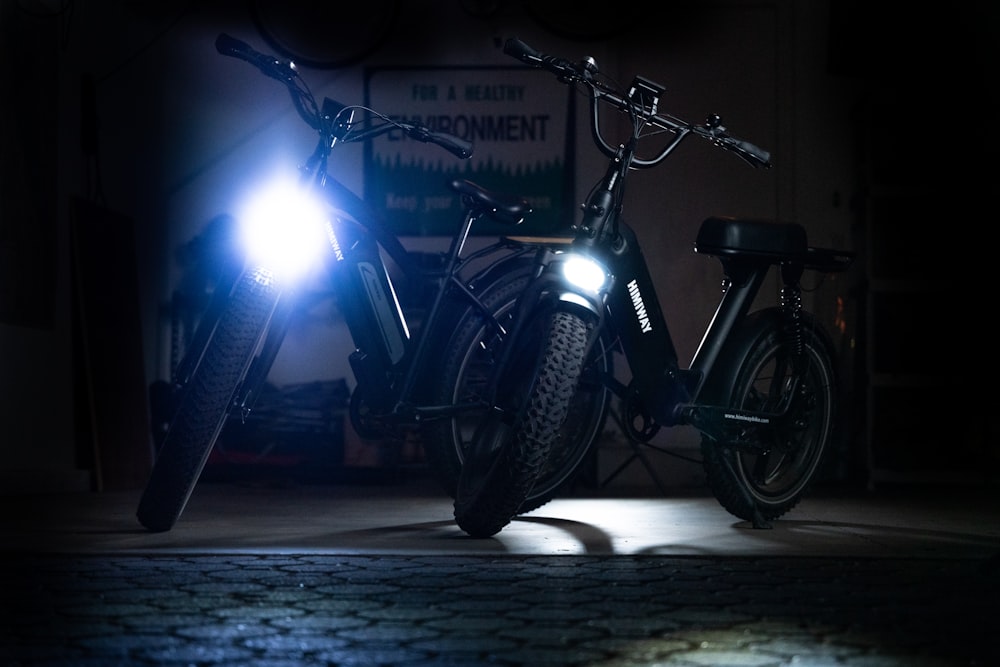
<point x="669" y="391"/>
<point x="388" y="359"/>
<point x="747" y="249"/>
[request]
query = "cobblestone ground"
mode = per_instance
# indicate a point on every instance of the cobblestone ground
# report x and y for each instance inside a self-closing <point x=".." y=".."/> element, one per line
<point x="283" y="610"/>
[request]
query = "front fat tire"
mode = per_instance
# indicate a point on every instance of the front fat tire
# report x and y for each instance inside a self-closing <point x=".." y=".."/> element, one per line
<point x="204" y="407"/>
<point x="467" y="360"/>
<point x="511" y="445"/>
<point x="764" y="487"/>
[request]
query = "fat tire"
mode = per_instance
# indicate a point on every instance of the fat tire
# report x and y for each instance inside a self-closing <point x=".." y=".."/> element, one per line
<point x="754" y="487"/>
<point x="506" y="457"/>
<point x="204" y="407"/>
<point x="467" y="354"/>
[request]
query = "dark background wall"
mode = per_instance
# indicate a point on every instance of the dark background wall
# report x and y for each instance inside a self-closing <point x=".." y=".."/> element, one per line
<point x="126" y="127"/>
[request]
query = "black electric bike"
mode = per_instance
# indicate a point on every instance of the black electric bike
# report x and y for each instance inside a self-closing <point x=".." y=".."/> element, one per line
<point x="398" y="387"/>
<point x="762" y="386"/>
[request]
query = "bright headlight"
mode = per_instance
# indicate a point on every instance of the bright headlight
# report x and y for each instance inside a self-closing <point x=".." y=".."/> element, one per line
<point x="584" y="273"/>
<point x="282" y="227"/>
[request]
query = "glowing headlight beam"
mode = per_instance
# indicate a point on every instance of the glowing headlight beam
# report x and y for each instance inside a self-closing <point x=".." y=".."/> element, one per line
<point x="584" y="273"/>
<point x="283" y="228"/>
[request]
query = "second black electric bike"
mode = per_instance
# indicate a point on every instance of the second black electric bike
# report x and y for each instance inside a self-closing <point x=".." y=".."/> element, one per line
<point x="762" y="387"/>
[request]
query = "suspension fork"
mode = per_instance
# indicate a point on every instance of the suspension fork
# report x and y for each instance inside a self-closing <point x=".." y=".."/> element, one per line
<point x="527" y="301"/>
<point x="250" y="388"/>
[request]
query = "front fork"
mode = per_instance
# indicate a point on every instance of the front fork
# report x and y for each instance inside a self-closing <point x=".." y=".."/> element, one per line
<point x="245" y="395"/>
<point x="547" y="289"/>
<point x="253" y="382"/>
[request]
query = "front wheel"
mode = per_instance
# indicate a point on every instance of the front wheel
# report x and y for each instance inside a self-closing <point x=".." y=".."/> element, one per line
<point x="468" y="357"/>
<point x="769" y="374"/>
<point x="204" y="407"/>
<point x="513" y="440"/>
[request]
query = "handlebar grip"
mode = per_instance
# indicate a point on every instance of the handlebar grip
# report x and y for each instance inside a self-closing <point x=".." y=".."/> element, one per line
<point x="454" y="145"/>
<point x="518" y="49"/>
<point x="753" y="154"/>
<point x="558" y="66"/>
<point x="272" y="67"/>
<point x="228" y="45"/>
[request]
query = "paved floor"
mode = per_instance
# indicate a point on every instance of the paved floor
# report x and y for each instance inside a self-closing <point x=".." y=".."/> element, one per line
<point x="280" y="573"/>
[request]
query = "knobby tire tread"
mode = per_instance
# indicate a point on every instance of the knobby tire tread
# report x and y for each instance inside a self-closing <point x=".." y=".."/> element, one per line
<point x="442" y="439"/>
<point x="204" y="408"/>
<point x="484" y="510"/>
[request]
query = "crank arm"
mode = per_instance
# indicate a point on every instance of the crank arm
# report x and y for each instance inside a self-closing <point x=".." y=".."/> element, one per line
<point x="431" y="412"/>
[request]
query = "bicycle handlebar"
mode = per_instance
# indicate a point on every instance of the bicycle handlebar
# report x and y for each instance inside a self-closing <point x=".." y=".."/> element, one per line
<point x="272" y="67"/>
<point x="450" y="142"/>
<point x="286" y="72"/>
<point x="585" y="73"/>
<point x="528" y="55"/>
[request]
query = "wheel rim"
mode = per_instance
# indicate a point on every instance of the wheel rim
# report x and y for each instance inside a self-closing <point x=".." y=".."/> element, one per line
<point x="497" y="426"/>
<point x="799" y="442"/>
<point x="485" y="449"/>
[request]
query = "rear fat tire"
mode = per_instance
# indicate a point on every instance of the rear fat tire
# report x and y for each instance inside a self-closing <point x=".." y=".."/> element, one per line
<point x="511" y="445"/>
<point x="204" y="407"/>
<point x="754" y="487"/>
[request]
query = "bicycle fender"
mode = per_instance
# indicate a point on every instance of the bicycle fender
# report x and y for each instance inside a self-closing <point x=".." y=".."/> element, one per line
<point x="591" y="303"/>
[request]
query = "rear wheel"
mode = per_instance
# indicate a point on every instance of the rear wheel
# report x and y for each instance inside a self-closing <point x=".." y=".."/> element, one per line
<point x="204" y="406"/>
<point x="512" y="441"/>
<point x="756" y="486"/>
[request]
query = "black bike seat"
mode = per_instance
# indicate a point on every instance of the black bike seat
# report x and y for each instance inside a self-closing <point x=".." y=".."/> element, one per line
<point x="499" y="206"/>
<point x="746" y="236"/>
